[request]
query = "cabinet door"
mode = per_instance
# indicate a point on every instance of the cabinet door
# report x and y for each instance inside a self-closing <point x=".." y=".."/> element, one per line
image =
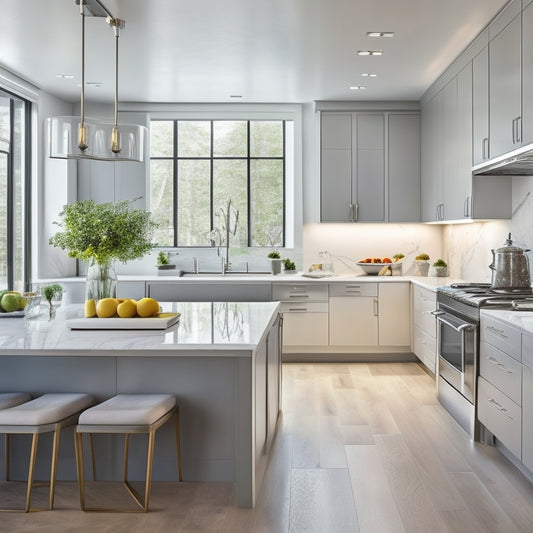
<point x="353" y="321"/>
<point x="370" y="167"/>
<point x="404" y="168"/>
<point x="527" y="74"/>
<point x="305" y="324"/>
<point x="480" y="111"/>
<point x="336" y="167"/>
<point x="504" y="89"/>
<point x="527" y="418"/>
<point x="428" y="141"/>
<point x="394" y="314"/>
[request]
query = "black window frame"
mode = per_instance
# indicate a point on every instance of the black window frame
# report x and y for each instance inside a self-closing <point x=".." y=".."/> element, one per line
<point x="175" y="158"/>
<point x="10" y="201"/>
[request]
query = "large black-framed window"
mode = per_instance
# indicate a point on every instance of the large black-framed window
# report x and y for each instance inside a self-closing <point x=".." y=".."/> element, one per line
<point x="198" y="166"/>
<point x="15" y="192"/>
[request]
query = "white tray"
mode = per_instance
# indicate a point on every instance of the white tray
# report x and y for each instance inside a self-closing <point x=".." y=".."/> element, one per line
<point x="162" y="321"/>
<point x="12" y="314"/>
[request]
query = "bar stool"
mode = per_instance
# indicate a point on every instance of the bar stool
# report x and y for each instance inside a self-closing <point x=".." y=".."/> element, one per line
<point x="10" y="399"/>
<point x="46" y="414"/>
<point x="127" y="414"/>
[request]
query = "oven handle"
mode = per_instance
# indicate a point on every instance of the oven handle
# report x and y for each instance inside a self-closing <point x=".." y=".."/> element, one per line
<point x="461" y="329"/>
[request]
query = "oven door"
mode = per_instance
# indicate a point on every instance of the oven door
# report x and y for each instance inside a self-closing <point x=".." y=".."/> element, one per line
<point x="457" y="353"/>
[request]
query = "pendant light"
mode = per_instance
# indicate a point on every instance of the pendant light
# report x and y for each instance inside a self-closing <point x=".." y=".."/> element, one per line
<point x="81" y="138"/>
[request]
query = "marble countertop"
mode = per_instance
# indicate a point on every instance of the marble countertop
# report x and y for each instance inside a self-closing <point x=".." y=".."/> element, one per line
<point x="205" y="329"/>
<point x="522" y="320"/>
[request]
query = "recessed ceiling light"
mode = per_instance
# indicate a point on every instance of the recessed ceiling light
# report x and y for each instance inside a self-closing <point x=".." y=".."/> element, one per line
<point x="368" y="75"/>
<point x="64" y="76"/>
<point x="357" y="87"/>
<point x="370" y="52"/>
<point x="380" y="34"/>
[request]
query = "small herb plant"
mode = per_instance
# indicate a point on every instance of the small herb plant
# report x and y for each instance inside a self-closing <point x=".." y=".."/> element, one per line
<point x="274" y="255"/>
<point x="163" y="258"/>
<point x="50" y="292"/>
<point x="288" y="264"/>
<point x="440" y="263"/>
<point x="422" y="257"/>
<point x="104" y="232"/>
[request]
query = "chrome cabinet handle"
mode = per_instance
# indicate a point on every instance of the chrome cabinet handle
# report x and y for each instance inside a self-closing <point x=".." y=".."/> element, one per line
<point x="498" y="364"/>
<point x="497" y="331"/>
<point x="518" y="129"/>
<point x="353" y="212"/>
<point x="485" y="148"/>
<point x="376" y="307"/>
<point x="500" y="408"/>
<point x="299" y="309"/>
<point x="298" y="296"/>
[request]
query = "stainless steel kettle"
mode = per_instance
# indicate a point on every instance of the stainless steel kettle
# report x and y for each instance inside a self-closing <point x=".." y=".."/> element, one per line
<point x="510" y="268"/>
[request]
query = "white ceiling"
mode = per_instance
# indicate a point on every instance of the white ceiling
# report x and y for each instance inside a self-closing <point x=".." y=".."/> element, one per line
<point x="263" y="50"/>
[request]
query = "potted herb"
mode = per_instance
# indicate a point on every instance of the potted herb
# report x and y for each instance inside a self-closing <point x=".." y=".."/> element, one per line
<point x="422" y="265"/>
<point x="53" y="295"/>
<point x="440" y="268"/>
<point x="290" y="267"/>
<point x="275" y="262"/>
<point x="101" y="234"/>
<point x="163" y="261"/>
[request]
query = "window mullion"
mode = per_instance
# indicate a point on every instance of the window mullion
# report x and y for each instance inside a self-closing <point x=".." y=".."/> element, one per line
<point x="175" y="182"/>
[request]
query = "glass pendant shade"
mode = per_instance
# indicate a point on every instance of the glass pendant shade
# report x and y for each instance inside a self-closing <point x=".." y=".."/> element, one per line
<point x="63" y="133"/>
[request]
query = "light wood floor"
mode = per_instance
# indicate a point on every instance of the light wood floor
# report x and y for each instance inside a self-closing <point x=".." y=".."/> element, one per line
<point x="360" y="448"/>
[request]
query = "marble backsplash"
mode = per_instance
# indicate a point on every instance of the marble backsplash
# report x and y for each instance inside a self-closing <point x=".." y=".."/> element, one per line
<point x="467" y="247"/>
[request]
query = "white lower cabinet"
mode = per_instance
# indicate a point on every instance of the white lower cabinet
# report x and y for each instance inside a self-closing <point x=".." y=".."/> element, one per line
<point x="527" y="401"/>
<point x="353" y="321"/>
<point x="305" y="324"/>
<point x="394" y="314"/>
<point x="424" y="344"/>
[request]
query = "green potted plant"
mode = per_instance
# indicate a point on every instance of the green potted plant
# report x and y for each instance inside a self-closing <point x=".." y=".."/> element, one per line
<point x="275" y="262"/>
<point x="53" y="294"/>
<point x="289" y="266"/>
<point x="440" y="268"/>
<point x="101" y="234"/>
<point x="163" y="261"/>
<point x="422" y="265"/>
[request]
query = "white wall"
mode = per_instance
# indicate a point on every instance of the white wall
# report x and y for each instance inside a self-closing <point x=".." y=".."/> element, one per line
<point x="468" y="246"/>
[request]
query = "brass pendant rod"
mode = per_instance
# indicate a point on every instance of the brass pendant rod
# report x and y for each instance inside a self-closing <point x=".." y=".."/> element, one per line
<point x="82" y="133"/>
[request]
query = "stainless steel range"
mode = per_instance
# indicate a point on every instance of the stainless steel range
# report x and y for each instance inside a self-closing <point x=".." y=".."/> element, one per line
<point x="457" y="314"/>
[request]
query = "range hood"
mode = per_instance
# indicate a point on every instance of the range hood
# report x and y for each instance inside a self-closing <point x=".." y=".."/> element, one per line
<point x="519" y="162"/>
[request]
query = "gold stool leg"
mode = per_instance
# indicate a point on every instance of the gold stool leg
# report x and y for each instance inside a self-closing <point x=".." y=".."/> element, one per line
<point x="91" y="438"/>
<point x="31" y="470"/>
<point x="178" y="441"/>
<point x="53" y="469"/>
<point x="126" y="453"/>
<point x="78" y="447"/>
<point x="149" y="464"/>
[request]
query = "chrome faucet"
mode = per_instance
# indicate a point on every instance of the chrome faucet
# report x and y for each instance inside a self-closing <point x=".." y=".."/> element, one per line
<point x="195" y="265"/>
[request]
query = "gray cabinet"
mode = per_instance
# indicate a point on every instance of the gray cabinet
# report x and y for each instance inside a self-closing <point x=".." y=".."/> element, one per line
<point x="428" y="155"/>
<point x="208" y="291"/>
<point x="356" y="183"/>
<point x="505" y="89"/>
<point x="480" y="109"/>
<point x="527" y="74"/>
<point x="404" y="168"/>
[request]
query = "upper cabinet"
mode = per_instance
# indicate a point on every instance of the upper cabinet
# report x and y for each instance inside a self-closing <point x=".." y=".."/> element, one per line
<point x="480" y="110"/>
<point x="505" y="117"/>
<point x="527" y="74"/>
<point x="366" y="159"/>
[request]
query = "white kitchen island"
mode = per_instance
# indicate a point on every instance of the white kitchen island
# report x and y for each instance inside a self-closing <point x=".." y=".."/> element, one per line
<point x="222" y="361"/>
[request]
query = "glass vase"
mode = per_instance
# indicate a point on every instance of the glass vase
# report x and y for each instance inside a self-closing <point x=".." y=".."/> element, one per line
<point x="101" y="281"/>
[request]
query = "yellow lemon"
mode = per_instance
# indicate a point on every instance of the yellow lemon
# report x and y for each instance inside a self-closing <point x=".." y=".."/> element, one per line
<point x="106" y="307"/>
<point x="90" y="308"/>
<point x="147" y="307"/>
<point x="127" y="309"/>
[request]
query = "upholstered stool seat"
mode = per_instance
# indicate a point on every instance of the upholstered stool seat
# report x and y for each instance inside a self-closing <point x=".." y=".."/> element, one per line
<point x="10" y="399"/>
<point x="45" y="414"/>
<point x="127" y="414"/>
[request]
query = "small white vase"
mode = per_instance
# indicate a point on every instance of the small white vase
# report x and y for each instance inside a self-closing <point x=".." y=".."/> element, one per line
<point x="421" y="267"/>
<point x="275" y="266"/>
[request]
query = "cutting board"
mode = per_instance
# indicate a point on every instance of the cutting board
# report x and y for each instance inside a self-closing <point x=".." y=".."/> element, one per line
<point x="162" y="321"/>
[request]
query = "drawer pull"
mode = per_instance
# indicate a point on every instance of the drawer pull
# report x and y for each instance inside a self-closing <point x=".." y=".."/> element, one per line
<point x="298" y="296"/>
<point x="497" y="331"/>
<point x="497" y="363"/>
<point x="302" y="309"/>
<point x="500" y="408"/>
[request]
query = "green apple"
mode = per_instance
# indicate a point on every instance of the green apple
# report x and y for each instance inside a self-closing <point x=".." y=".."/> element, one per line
<point x="10" y="302"/>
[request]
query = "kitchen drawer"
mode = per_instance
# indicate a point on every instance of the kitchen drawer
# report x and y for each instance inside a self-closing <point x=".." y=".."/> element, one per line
<point x="303" y="292"/>
<point x="425" y="348"/>
<point x="501" y="416"/>
<point x="502" y="371"/>
<point x="353" y="289"/>
<point x="527" y="350"/>
<point x="424" y="300"/>
<point x="426" y="321"/>
<point x="304" y="307"/>
<point x="502" y="336"/>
